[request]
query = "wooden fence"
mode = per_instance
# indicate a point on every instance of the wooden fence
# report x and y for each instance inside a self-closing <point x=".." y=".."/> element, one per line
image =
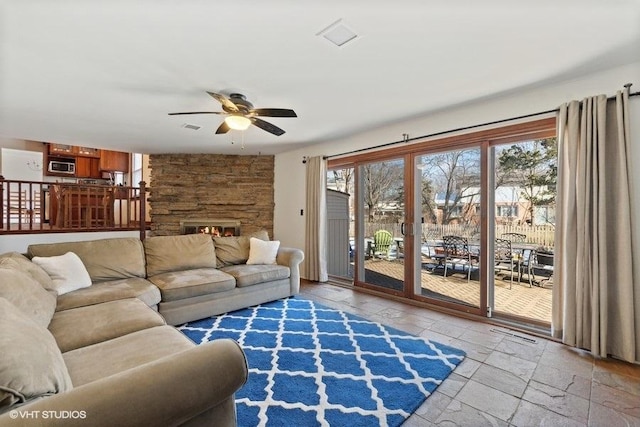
<point x="542" y="235"/>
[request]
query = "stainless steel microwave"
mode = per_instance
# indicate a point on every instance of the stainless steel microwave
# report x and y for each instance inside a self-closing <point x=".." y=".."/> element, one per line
<point x="62" y="167"/>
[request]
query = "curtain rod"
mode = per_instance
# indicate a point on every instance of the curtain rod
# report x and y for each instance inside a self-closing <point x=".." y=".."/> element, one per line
<point x="444" y="132"/>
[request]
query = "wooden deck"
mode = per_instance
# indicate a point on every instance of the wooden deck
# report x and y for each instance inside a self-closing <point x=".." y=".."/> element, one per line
<point x="522" y="300"/>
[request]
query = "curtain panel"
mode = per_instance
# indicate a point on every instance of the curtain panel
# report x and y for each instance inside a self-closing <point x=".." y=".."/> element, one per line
<point x="316" y="220"/>
<point x="596" y="301"/>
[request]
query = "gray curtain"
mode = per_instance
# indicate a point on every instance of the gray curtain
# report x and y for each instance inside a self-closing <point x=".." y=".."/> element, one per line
<point x="316" y="224"/>
<point x="596" y="301"/>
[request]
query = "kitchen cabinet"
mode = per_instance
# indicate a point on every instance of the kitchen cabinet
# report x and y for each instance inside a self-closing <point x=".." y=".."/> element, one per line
<point x="88" y="167"/>
<point x="73" y="150"/>
<point x="57" y="149"/>
<point x="87" y="152"/>
<point x="114" y="161"/>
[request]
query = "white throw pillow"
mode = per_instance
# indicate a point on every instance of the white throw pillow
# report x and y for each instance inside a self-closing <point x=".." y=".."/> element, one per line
<point x="67" y="272"/>
<point x="262" y="252"/>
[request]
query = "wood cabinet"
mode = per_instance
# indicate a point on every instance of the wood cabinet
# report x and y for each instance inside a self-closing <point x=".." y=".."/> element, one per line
<point x="88" y="167"/>
<point x="114" y="161"/>
<point x="88" y="152"/>
<point x="90" y="162"/>
<point x="73" y="150"/>
<point x="57" y="149"/>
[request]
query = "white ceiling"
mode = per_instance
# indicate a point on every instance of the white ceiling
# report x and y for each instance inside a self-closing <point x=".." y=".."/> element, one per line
<point x="106" y="73"/>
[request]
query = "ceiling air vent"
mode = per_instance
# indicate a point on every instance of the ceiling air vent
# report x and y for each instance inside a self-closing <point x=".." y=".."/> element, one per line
<point x="190" y="126"/>
<point x="338" y="33"/>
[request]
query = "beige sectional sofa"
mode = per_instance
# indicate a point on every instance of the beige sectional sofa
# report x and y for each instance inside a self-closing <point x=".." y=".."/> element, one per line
<point x="103" y="354"/>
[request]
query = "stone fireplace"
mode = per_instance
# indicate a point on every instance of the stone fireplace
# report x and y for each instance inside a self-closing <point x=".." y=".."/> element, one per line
<point x="213" y="226"/>
<point x="187" y="188"/>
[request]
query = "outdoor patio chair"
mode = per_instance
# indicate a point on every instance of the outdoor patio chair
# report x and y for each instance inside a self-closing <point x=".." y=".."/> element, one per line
<point x="503" y="258"/>
<point x="539" y="262"/>
<point x="457" y="252"/>
<point x="382" y="241"/>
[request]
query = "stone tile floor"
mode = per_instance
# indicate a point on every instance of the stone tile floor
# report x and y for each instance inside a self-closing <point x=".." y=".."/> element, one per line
<point x="508" y="378"/>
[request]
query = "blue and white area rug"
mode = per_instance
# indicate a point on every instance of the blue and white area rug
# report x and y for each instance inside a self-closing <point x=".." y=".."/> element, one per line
<point x="310" y="365"/>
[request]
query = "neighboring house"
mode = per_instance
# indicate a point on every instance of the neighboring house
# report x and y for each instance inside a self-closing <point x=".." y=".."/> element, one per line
<point x="511" y="207"/>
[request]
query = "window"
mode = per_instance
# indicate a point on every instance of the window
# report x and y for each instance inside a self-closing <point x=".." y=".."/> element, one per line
<point x="506" y="210"/>
<point x="136" y="169"/>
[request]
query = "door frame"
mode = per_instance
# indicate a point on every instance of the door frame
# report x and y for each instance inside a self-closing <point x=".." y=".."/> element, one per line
<point x="484" y="139"/>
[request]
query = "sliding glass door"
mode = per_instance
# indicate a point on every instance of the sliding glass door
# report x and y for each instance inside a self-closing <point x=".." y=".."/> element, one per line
<point x="381" y="225"/>
<point x="448" y="194"/>
<point x="523" y="225"/>
<point x="465" y="222"/>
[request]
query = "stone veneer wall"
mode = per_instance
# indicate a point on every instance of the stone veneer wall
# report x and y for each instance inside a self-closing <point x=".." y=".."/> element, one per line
<point x="189" y="186"/>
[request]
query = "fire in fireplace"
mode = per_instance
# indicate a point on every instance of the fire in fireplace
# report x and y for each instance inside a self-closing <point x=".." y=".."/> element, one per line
<point x="212" y="226"/>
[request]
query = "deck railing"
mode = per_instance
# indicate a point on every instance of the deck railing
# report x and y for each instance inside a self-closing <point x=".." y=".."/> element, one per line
<point x="56" y="207"/>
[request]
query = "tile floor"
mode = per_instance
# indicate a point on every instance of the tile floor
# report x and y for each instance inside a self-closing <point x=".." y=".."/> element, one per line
<point x="508" y="378"/>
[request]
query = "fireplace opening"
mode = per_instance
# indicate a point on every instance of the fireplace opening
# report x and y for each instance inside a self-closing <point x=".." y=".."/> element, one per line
<point x="214" y="227"/>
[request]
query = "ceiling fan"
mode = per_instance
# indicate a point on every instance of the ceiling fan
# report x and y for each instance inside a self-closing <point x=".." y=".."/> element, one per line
<point x="241" y="114"/>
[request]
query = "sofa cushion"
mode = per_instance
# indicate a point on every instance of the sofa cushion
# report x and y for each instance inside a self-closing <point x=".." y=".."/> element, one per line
<point x="21" y="262"/>
<point x="234" y="250"/>
<point x="262" y="252"/>
<point x="248" y="275"/>
<point x="67" y="272"/>
<point x="31" y="365"/>
<point x="125" y="352"/>
<point x="82" y="326"/>
<point x="173" y="253"/>
<point x="134" y="287"/>
<point x="27" y="295"/>
<point x="105" y="259"/>
<point x="178" y="285"/>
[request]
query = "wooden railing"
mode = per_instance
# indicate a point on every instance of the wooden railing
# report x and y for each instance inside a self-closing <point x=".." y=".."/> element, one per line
<point x="45" y="207"/>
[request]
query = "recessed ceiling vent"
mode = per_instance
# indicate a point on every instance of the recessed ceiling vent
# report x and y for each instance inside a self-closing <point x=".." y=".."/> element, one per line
<point x="338" y="33"/>
<point x="190" y="126"/>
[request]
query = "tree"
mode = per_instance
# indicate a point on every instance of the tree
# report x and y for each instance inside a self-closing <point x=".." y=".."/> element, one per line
<point x="343" y="179"/>
<point x="456" y="180"/>
<point x="533" y="166"/>
<point x="382" y="184"/>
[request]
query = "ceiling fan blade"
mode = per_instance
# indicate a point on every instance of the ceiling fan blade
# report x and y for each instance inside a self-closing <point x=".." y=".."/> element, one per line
<point x="197" y="112"/>
<point x="267" y="126"/>
<point x="274" y="112"/>
<point x="223" y="128"/>
<point x="227" y="104"/>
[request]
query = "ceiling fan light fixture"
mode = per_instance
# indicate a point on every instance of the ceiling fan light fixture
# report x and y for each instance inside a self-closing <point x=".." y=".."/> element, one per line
<point x="237" y="122"/>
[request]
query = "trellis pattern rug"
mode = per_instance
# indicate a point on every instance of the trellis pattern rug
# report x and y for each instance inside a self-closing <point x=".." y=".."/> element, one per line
<point x="310" y="365"/>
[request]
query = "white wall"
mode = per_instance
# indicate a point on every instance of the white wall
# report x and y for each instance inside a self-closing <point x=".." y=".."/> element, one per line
<point x="20" y="242"/>
<point x="21" y="165"/>
<point x="290" y="172"/>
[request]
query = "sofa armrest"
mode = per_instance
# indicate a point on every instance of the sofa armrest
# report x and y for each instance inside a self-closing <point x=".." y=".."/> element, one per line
<point x="168" y="391"/>
<point x="291" y="257"/>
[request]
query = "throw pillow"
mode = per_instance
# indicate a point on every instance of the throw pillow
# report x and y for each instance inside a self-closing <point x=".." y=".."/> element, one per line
<point x="67" y="272"/>
<point x="26" y="294"/>
<point x="234" y="250"/>
<point x="31" y="365"/>
<point x="261" y="252"/>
